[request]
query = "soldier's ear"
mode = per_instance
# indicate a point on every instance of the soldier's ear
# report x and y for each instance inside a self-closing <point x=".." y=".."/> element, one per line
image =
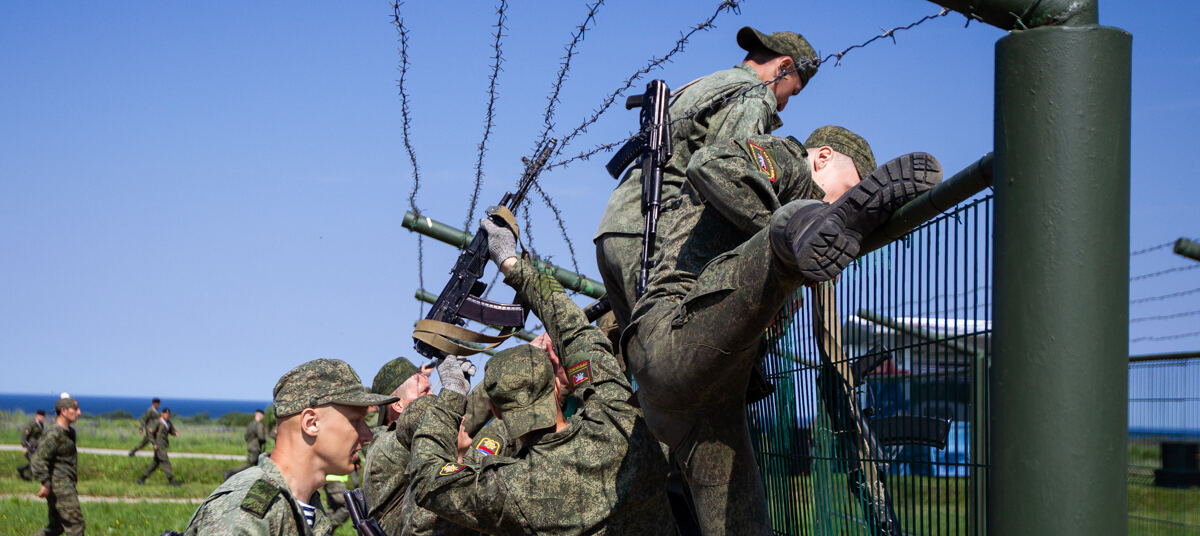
<point x="309" y="421"/>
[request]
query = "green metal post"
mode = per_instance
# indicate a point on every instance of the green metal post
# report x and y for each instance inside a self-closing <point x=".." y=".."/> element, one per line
<point x="1188" y="248"/>
<point x="1058" y="383"/>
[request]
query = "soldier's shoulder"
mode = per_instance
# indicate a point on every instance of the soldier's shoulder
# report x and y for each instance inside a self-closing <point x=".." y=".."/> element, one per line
<point x="247" y="502"/>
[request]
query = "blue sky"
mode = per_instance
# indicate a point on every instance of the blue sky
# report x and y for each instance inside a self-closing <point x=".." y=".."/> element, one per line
<point x="195" y="198"/>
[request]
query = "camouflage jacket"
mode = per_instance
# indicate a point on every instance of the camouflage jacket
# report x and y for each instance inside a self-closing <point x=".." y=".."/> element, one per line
<point x="256" y="436"/>
<point x="148" y="419"/>
<point x="603" y="473"/>
<point x="733" y="187"/>
<point x="491" y="440"/>
<point x="31" y="434"/>
<point x="160" y="433"/>
<point x="258" y="502"/>
<point x="743" y="116"/>
<point x="54" y="463"/>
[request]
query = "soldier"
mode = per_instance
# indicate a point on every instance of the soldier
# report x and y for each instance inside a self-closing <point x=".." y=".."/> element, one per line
<point x="599" y="471"/>
<point x="161" y="432"/>
<point x="30" y="435"/>
<point x="256" y="440"/>
<point x="385" y="477"/>
<point x="795" y="214"/>
<point x="144" y="424"/>
<point x="391" y="376"/>
<point x="322" y="407"/>
<point x="759" y="98"/>
<point x="54" y="465"/>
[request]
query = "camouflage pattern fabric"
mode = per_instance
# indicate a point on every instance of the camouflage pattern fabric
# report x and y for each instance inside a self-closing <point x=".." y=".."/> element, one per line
<point x="161" y="432"/>
<point x="695" y="334"/>
<point x="256" y="439"/>
<point x="320" y="382"/>
<point x="256" y="502"/>
<point x="385" y="476"/>
<point x="491" y="440"/>
<point x="479" y="412"/>
<point x="31" y="434"/>
<point x="789" y="44"/>
<point x="144" y="423"/>
<point x="619" y="236"/>
<point x="602" y="473"/>
<point x="54" y="464"/>
<point x="391" y="375"/>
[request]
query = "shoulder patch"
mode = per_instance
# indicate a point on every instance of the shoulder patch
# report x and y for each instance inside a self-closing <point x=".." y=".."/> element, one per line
<point x="487" y="446"/>
<point x="259" y="498"/>
<point x="451" y="468"/>
<point x="762" y="158"/>
<point x="580" y="372"/>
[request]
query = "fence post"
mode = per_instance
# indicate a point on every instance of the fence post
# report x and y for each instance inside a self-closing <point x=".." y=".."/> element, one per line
<point x="1059" y="369"/>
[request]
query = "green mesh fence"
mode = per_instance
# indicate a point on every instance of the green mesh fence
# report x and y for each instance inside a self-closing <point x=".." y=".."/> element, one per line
<point x="882" y="429"/>
<point x="1164" y="445"/>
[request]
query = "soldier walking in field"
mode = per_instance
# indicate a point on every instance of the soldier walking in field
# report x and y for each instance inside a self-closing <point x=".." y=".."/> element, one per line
<point x="256" y="440"/>
<point x="30" y="435"/>
<point x="160" y="433"/>
<point x="144" y="423"/>
<point x="54" y="465"/>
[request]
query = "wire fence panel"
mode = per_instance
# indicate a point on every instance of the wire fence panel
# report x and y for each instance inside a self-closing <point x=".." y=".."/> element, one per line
<point x="1164" y="440"/>
<point x="884" y="432"/>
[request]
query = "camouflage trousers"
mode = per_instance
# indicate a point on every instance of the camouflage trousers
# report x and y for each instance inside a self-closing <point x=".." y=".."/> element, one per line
<point x="160" y="459"/>
<point x="65" y="515"/>
<point x="618" y="258"/>
<point x="251" y="459"/>
<point x="145" y="441"/>
<point x="692" y="358"/>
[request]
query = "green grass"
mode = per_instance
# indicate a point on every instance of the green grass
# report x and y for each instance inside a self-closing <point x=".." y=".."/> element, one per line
<point x="27" y="516"/>
<point x="123" y="434"/>
<point x="115" y="476"/>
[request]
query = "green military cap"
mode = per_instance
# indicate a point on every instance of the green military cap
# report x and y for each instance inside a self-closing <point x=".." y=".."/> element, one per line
<point x="391" y="375"/>
<point x="846" y="142"/>
<point x="65" y="402"/>
<point x="320" y="382"/>
<point x="411" y="417"/>
<point x="520" y="383"/>
<point x="790" y="44"/>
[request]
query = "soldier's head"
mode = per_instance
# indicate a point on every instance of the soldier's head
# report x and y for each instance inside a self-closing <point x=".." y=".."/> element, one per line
<point x="403" y="380"/>
<point x="543" y="342"/>
<point x="258" y="415"/>
<point x="785" y="59"/>
<point x="520" y="384"/>
<point x="67" y="409"/>
<point x="155" y="402"/>
<point x="322" y="406"/>
<point x="838" y="158"/>
<point x="166" y="414"/>
<point x="40" y="415"/>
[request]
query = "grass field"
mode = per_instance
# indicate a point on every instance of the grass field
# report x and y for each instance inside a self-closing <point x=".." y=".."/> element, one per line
<point x="123" y="434"/>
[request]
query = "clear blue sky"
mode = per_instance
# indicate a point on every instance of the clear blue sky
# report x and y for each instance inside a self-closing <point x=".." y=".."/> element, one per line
<point x="196" y="197"/>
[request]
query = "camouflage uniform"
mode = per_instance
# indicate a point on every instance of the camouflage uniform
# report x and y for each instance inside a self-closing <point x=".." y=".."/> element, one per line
<point x="602" y="473"/>
<point x="160" y="432"/>
<point x="694" y="335"/>
<point x="54" y="465"/>
<point x="30" y="435"/>
<point x="256" y="501"/>
<point x="145" y="423"/>
<point x="256" y="439"/>
<point x="478" y="412"/>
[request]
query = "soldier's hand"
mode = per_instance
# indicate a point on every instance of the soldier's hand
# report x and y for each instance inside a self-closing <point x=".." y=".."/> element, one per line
<point x="42" y="493"/>
<point x="455" y="373"/>
<point x="502" y="243"/>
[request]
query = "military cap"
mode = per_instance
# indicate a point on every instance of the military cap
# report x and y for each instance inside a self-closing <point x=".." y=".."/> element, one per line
<point x="319" y="382"/>
<point x="789" y="44"/>
<point x="520" y="383"/>
<point x="65" y="402"/>
<point x="391" y="375"/>
<point x="846" y="142"/>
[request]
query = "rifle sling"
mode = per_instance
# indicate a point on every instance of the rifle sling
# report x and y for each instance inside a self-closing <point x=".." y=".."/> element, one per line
<point x="446" y="337"/>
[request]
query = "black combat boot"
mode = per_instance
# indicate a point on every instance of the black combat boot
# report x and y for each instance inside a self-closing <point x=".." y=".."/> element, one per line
<point x="141" y="480"/>
<point x="825" y="238"/>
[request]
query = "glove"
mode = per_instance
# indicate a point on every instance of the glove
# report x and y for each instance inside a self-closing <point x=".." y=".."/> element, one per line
<point x="502" y="243"/>
<point x="455" y="372"/>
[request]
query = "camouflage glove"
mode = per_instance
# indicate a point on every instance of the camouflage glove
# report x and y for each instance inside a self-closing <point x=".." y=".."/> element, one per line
<point x="502" y="243"/>
<point x="455" y="373"/>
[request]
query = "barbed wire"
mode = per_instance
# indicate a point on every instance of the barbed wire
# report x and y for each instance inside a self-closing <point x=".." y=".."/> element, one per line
<point x="497" y="59"/>
<point x="1165" y="296"/>
<point x="562" y="226"/>
<point x="1165" y="272"/>
<point x="1166" y="337"/>
<point x="1151" y="248"/>
<point x="564" y="67"/>
<point x="721" y="101"/>
<point x="405" y="124"/>
<point x="1170" y="316"/>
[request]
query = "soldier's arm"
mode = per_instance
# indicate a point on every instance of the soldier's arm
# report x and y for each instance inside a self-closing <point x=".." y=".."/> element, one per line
<point x="585" y="351"/>
<point x="733" y="183"/>
<point x="25" y="434"/>
<point x="466" y="494"/>
<point x="40" y="462"/>
<point x="748" y="115"/>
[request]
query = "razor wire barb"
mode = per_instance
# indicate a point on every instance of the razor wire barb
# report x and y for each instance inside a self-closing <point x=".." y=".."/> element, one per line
<point x="406" y="121"/>
<point x="489" y="117"/>
<point x="715" y="103"/>
<point x="565" y="66"/>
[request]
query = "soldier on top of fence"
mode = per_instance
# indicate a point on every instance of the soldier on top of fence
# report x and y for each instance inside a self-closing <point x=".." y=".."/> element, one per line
<point x="30" y="435"/>
<point x="144" y="422"/>
<point x="756" y="92"/>
<point x="758" y="218"/>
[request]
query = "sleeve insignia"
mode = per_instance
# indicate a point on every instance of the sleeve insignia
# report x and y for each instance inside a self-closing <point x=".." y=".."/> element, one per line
<point x="487" y="446"/>
<point x="451" y="468"/>
<point x="762" y="158"/>
<point x="259" y="498"/>
<point x="580" y="372"/>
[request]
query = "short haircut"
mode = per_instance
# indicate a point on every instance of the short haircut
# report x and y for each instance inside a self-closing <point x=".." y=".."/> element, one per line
<point x="155" y="400"/>
<point x="41" y="412"/>
<point x="165" y="410"/>
<point x="259" y="411"/>
<point x="761" y="55"/>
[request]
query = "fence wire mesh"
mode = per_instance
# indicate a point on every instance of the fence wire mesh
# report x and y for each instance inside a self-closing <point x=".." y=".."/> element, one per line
<point x="1164" y="440"/>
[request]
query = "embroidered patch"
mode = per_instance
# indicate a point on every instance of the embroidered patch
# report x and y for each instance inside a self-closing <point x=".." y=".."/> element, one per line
<point x="580" y="372"/>
<point x="259" y="498"/>
<point x="763" y="159"/>
<point x="488" y="446"/>
<point x="450" y="468"/>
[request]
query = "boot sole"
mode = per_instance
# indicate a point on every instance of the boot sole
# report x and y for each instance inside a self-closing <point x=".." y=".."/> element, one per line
<point x="833" y="242"/>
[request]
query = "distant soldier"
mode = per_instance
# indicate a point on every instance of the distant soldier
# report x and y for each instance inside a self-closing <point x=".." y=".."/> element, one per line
<point x="322" y="409"/>
<point x="54" y="465"/>
<point x="256" y="440"/>
<point x="160" y="433"/>
<point x="144" y="424"/>
<point x="30" y="435"/>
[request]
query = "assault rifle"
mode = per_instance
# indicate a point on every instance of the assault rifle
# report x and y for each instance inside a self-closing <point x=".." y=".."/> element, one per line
<point x="653" y="144"/>
<point x="461" y="298"/>
<point x="362" y="523"/>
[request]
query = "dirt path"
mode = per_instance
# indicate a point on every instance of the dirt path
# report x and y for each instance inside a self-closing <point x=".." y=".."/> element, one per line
<point x="145" y="453"/>
<point x="94" y="498"/>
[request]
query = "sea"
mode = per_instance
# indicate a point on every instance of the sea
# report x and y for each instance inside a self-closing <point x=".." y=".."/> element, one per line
<point x="96" y="405"/>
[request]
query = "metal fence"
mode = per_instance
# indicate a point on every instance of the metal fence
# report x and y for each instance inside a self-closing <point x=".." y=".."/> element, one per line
<point x="1164" y="437"/>
<point x="877" y="424"/>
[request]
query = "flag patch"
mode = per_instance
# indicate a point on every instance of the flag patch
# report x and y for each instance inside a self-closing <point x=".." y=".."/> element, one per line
<point x="488" y="446"/>
<point x="763" y="159"/>
<point x="580" y="372"/>
<point x="451" y="468"/>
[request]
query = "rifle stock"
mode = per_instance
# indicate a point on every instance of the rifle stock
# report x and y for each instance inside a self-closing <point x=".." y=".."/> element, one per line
<point x="362" y="523"/>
